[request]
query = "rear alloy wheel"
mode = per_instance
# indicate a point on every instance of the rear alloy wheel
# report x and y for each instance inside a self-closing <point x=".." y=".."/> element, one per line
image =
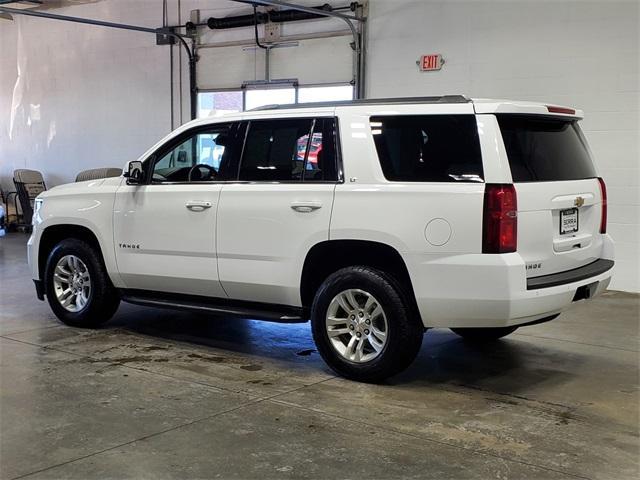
<point x="363" y="325"/>
<point x="483" y="334"/>
<point x="356" y="325"/>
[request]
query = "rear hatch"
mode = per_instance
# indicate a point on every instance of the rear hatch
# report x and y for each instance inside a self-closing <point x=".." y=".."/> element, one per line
<point x="559" y="195"/>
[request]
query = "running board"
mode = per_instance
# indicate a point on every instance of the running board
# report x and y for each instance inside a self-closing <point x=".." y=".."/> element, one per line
<point x="215" y="306"/>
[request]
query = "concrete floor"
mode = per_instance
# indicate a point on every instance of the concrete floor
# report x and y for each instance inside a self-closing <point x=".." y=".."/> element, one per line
<point x="159" y="394"/>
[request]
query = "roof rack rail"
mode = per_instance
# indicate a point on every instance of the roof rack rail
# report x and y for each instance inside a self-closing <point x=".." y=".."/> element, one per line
<point x="369" y="101"/>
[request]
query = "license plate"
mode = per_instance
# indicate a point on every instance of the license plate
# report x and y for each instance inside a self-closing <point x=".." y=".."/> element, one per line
<point x="568" y="221"/>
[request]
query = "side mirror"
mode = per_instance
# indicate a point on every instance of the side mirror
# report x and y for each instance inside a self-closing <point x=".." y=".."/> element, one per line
<point x="133" y="173"/>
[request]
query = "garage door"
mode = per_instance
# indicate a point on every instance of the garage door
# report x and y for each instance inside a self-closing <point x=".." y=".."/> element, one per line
<point x="311" y="62"/>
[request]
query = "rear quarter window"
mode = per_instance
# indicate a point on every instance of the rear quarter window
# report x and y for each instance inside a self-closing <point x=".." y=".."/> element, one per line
<point x="542" y="149"/>
<point x="428" y="148"/>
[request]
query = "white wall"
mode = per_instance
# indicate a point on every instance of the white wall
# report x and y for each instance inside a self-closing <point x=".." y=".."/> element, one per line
<point x="578" y="53"/>
<point x="75" y="96"/>
<point x="88" y="96"/>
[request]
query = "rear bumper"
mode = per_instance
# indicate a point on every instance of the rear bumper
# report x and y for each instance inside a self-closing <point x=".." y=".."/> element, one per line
<point x="576" y="275"/>
<point x="492" y="290"/>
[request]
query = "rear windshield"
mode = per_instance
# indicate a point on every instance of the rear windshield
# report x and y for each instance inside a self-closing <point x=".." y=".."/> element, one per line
<point x="545" y="149"/>
<point x="428" y="148"/>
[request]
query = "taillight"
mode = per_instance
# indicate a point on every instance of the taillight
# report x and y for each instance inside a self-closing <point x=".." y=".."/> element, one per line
<point x="500" y="219"/>
<point x="603" y="217"/>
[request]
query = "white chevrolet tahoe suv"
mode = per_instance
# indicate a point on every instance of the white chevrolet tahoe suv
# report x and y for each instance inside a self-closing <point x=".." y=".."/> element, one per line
<point x="376" y="219"/>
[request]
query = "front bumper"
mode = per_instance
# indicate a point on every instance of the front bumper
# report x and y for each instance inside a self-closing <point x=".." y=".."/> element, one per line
<point x="32" y="254"/>
<point x="32" y="260"/>
<point x="39" y="289"/>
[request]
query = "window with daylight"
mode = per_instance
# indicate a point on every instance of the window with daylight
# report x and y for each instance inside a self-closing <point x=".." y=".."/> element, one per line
<point x="325" y="94"/>
<point x="271" y="96"/>
<point x="211" y="104"/>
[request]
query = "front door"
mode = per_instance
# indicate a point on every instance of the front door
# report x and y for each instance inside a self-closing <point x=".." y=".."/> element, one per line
<point x="279" y="209"/>
<point x="164" y="231"/>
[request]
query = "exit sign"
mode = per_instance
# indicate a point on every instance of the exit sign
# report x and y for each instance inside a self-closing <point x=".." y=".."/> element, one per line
<point x="429" y="63"/>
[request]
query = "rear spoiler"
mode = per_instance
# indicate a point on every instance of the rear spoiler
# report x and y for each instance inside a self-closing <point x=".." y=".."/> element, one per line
<point x="527" y="108"/>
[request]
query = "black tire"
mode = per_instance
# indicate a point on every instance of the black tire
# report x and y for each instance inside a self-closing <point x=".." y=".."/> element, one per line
<point x="103" y="299"/>
<point x="404" y="328"/>
<point x="481" y="335"/>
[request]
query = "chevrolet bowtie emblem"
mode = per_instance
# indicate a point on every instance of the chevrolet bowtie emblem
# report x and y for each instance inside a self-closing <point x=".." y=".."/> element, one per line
<point x="579" y="201"/>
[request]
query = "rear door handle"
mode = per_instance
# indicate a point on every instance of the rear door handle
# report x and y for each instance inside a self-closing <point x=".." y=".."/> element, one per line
<point x="198" y="206"/>
<point x="305" y="207"/>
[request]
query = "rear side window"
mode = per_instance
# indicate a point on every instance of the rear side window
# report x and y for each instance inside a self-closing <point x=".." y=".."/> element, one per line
<point x="275" y="150"/>
<point x="428" y="148"/>
<point x="321" y="163"/>
<point x="545" y="149"/>
<point x="289" y="150"/>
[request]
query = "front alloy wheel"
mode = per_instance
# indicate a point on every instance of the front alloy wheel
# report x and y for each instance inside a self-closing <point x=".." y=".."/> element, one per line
<point x="77" y="286"/>
<point x="72" y="283"/>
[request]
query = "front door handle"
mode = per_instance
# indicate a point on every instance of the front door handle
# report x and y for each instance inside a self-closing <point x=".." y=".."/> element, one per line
<point x="305" y="207"/>
<point x="198" y="206"/>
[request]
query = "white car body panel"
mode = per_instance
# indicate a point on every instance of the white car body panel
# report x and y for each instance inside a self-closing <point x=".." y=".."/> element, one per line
<point x="251" y="245"/>
<point x="162" y="245"/>
<point x="489" y="105"/>
<point x="85" y="204"/>
<point x="263" y="241"/>
<point x="539" y="239"/>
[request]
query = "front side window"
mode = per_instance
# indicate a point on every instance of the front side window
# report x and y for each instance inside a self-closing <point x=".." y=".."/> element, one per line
<point x="194" y="157"/>
<point x="428" y="148"/>
<point x="300" y="150"/>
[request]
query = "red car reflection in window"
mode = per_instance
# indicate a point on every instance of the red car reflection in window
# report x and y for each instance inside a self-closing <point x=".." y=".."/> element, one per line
<point x="314" y="150"/>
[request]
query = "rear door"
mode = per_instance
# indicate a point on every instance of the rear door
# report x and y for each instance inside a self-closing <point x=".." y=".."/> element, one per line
<point x="559" y="196"/>
<point x="280" y="207"/>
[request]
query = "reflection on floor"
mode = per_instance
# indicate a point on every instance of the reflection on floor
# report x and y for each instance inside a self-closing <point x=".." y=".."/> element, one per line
<point x="160" y="394"/>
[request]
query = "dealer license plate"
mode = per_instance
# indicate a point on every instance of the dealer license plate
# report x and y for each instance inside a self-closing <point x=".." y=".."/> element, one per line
<point x="568" y="221"/>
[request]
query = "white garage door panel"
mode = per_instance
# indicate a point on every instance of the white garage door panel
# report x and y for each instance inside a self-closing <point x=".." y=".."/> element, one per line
<point x="325" y="60"/>
<point x="227" y="67"/>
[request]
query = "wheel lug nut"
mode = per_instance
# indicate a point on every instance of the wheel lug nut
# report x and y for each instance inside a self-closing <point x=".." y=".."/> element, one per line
<point x="353" y="317"/>
<point x="367" y="321"/>
<point x="350" y="327"/>
<point x="358" y="334"/>
<point x="366" y="332"/>
<point x="361" y="314"/>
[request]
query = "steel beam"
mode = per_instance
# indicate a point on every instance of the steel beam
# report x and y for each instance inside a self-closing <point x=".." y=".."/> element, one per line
<point x="301" y="8"/>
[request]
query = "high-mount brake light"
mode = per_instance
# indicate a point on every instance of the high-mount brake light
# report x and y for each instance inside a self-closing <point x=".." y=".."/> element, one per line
<point x="566" y="111"/>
